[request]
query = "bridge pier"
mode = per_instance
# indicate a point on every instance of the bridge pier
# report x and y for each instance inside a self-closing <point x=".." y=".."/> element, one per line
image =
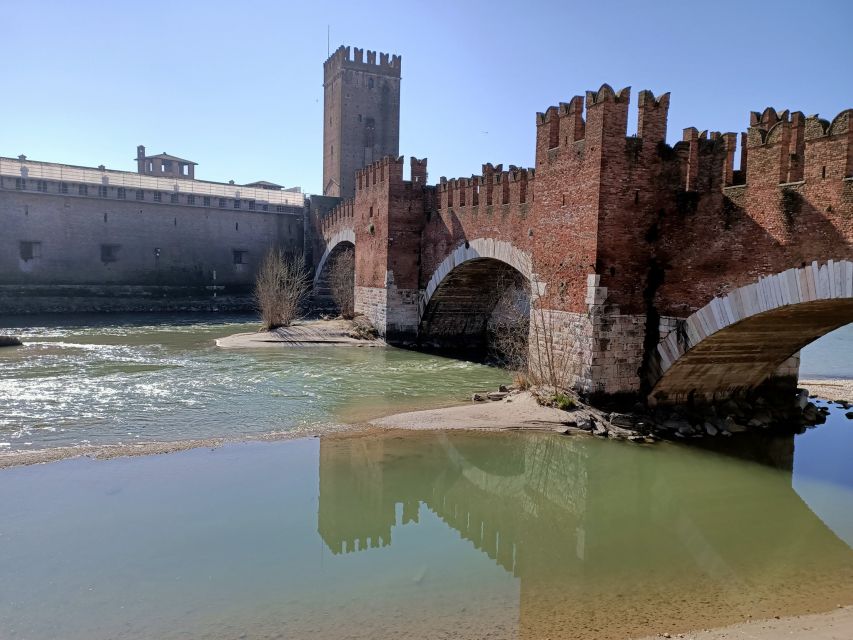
<point x="393" y="311"/>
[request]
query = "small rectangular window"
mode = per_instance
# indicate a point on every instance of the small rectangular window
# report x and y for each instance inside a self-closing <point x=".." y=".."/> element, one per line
<point x="237" y="204"/>
<point x="206" y="201"/>
<point x="221" y="203"/>
<point x="279" y="208"/>
<point x="158" y="197"/>
<point x="83" y="190"/>
<point x="140" y="194"/>
<point x="121" y="193"/>
<point x="265" y="207"/>
<point x="41" y="185"/>
<point x="240" y="257"/>
<point x="30" y="250"/>
<point x="185" y="169"/>
<point x="109" y="253"/>
<point x="63" y="187"/>
<point x="251" y="205"/>
<point x="20" y="184"/>
<point x="102" y="191"/>
<point x="173" y="198"/>
<point x="190" y="199"/>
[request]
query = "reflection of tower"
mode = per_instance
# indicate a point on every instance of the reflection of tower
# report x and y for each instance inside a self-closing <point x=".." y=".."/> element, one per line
<point x="593" y="528"/>
<point x="361" y="115"/>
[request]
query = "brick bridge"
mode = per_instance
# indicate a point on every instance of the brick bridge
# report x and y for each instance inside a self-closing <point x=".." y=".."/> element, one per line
<point x="663" y="270"/>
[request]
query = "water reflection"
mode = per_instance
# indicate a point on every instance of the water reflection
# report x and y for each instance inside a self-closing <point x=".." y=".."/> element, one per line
<point x="606" y="540"/>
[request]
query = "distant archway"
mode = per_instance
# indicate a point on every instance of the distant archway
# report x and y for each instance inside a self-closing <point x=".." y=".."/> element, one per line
<point x="334" y="278"/>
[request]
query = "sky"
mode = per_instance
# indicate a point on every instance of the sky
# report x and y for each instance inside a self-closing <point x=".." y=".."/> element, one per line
<point x="237" y="86"/>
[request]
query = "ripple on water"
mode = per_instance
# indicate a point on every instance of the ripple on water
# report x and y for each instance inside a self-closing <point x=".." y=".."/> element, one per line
<point x="90" y="380"/>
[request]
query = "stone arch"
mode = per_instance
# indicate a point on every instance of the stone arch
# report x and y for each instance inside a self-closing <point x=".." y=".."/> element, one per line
<point x="478" y="279"/>
<point x="477" y="249"/>
<point x="737" y="341"/>
<point x="344" y="235"/>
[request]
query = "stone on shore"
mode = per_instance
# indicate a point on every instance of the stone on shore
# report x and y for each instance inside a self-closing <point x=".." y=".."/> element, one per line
<point x="10" y="341"/>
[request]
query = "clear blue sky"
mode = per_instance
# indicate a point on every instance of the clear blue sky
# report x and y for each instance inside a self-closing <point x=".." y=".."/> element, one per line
<point x="237" y="86"/>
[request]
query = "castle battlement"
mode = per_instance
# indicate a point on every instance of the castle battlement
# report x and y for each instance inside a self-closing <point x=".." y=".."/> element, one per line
<point x="493" y="187"/>
<point x="385" y="169"/>
<point x="355" y="59"/>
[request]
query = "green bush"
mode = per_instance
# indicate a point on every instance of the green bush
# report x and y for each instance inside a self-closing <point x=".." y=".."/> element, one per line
<point x="564" y="402"/>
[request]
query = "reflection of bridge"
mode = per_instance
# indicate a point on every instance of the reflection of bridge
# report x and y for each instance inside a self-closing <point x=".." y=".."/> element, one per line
<point x="661" y="269"/>
<point x="588" y="530"/>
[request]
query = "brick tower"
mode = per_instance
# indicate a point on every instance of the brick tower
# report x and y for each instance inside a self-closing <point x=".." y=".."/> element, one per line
<point x="361" y="115"/>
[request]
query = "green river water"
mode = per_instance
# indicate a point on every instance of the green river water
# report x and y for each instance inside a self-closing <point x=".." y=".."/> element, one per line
<point x="422" y="535"/>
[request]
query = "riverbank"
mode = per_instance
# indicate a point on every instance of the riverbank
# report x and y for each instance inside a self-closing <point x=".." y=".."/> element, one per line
<point x="307" y="333"/>
<point x="832" y="389"/>
<point x="832" y="625"/>
<point x="512" y="411"/>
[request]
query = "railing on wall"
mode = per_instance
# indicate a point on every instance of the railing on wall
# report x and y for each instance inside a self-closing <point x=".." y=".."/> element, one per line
<point x="34" y="170"/>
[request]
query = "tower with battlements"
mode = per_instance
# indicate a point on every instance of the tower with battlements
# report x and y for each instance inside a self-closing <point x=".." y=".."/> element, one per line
<point x="361" y="115"/>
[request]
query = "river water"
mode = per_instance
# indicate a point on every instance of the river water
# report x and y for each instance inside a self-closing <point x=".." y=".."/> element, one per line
<point x="90" y="380"/>
<point x="419" y="535"/>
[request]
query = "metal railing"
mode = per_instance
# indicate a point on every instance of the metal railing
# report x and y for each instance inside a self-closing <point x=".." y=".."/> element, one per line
<point x="34" y="170"/>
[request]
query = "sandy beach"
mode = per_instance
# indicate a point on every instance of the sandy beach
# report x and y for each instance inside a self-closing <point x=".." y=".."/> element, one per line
<point x="832" y="625"/>
<point x="304" y="333"/>
<point x="832" y="389"/>
<point x="516" y="411"/>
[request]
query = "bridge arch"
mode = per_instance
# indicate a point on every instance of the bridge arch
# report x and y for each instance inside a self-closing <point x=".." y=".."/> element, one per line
<point x="329" y="290"/>
<point x="467" y="288"/>
<point x="737" y="341"/>
<point x="339" y="237"/>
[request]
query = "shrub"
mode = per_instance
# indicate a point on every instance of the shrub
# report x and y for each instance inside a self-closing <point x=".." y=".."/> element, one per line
<point x="281" y="286"/>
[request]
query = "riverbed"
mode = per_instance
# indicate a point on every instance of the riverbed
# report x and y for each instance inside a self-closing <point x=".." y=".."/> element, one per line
<point x="388" y="534"/>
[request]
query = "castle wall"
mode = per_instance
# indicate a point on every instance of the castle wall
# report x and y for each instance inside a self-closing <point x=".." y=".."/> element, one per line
<point x="626" y="234"/>
<point x="51" y="240"/>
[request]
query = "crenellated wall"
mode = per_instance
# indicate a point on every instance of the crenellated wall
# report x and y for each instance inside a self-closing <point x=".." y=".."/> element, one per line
<point x="624" y="234"/>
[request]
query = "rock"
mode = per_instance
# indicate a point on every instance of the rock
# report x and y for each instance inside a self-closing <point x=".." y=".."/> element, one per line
<point x="802" y="399"/>
<point x="764" y="416"/>
<point x="584" y="423"/>
<point x="10" y="341"/>
<point x="725" y="433"/>
<point x="710" y="429"/>
<point x="686" y="430"/>
<point x="597" y="428"/>
<point x="811" y="413"/>
<point x="478" y="397"/>
<point x="849" y="415"/>
<point x="674" y="424"/>
<point x="623" y="420"/>
<point x="497" y="395"/>
<point x="732" y="426"/>
<point x="503" y="387"/>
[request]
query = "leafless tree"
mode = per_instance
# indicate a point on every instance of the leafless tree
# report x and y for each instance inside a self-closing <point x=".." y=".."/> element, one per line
<point x="550" y="361"/>
<point x="342" y="281"/>
<point x="281" y="288"/>
<point x="509" y="325"/>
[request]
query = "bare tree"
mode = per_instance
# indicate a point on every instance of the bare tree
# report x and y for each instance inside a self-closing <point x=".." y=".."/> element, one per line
<point x="281" y="287"/>
<point x="550" y="361"/>
<point x="509" y="325"/>
<point x="342" y="281"/>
